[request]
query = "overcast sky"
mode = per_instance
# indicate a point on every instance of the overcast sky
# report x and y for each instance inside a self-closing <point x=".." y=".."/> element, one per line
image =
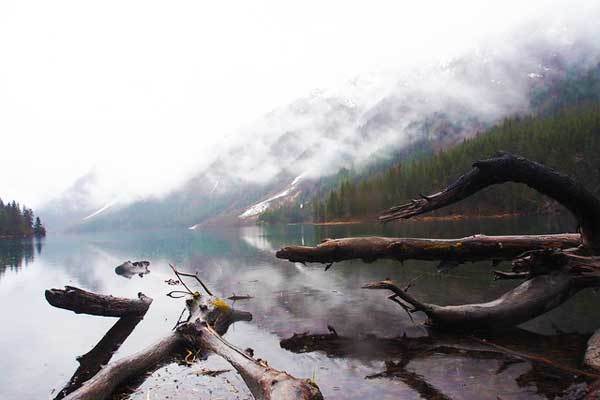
<point x="143" y="91"/>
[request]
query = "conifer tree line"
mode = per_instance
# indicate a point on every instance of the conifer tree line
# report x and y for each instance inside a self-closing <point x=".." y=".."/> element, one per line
<point x="567" y="140"/>
<point x="17" y="221"/>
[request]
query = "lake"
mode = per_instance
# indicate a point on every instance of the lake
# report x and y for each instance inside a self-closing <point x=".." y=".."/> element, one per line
<point x="39" y="343"/>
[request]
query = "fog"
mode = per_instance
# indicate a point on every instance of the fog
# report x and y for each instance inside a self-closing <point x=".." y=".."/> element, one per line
<point x="142" y="95"/>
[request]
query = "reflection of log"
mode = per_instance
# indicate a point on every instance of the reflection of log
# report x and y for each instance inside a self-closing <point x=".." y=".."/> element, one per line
<point x="472" y="248"/>
<point x="264" y="382"/>
<point x="118" y="372"/>
<point x="91" y="362"/>
<point x="84" y="302"/>
<point x="528" y="300"/>
<point x="509" y="168"/>
<point x="554" y="354"/>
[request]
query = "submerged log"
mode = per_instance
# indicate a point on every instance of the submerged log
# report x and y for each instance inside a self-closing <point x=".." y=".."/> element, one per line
<point x="84" y="302"/>
<point x="129" y="269"/>
<point x="264" y="382"/>
<point x="471" y="248"/>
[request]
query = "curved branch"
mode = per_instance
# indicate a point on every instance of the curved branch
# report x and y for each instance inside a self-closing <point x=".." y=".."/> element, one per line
<point x="471" y="248"/>
<point x="510" y="168"/>
<point x="530" y="299"/>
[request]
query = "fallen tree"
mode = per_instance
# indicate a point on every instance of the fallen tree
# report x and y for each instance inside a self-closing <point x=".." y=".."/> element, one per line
<point x="471" y="248"/>
<point x="208" y="319"/>
<point x="553" y="267"/>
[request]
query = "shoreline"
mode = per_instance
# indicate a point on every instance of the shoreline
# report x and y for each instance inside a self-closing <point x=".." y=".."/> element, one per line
<point x="452" y="217"/>
<point x="12" y="237"/>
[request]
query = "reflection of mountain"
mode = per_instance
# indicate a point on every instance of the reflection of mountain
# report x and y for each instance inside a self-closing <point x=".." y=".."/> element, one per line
<point x="14" y="254"/>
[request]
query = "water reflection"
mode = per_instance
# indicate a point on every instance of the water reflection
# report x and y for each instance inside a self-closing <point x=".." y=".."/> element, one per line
<point x="287" y="299"/>
<point x="16" y="253"/>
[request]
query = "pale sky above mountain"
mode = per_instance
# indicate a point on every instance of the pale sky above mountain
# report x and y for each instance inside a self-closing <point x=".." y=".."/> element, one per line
<point x="145" y="92"/>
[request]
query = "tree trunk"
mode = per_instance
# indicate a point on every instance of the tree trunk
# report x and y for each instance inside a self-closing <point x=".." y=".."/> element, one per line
<point x="510" y="168"/>
<point x="471" y="248"/>
<point x="264" y="382"/>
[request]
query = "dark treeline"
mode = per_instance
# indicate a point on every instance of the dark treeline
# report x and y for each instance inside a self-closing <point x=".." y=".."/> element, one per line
<point x="567" y="140"/>
<point x="17" y="221"/>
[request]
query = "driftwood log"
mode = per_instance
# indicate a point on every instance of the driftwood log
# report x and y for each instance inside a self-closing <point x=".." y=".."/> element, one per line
<point x="264" y="382"/>
<point x="208" y="319"/>
<point x="83" y="302"/>
<point x="553" y="267"/>
<point x="472" y="248"/>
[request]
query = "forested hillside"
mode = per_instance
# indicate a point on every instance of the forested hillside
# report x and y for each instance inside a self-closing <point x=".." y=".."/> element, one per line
<point x="567" y="140"/>
<point x="17" y="221"/>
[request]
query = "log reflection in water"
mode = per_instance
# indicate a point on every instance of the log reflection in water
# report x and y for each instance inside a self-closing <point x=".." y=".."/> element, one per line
<point x="554" y="360"/>
<point x="91" y="362"/>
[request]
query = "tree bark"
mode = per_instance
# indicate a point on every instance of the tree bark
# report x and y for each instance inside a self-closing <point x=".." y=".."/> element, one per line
<point x="471" y="248"/>
<point x="84" y="302"/>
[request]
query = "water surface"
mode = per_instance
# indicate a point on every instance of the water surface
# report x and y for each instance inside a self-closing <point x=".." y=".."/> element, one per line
<point x="39" y="344"/>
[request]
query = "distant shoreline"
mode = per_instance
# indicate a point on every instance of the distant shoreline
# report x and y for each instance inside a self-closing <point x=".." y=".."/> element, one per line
<point x="13" y="237"/>
<point x="428" y="218"/>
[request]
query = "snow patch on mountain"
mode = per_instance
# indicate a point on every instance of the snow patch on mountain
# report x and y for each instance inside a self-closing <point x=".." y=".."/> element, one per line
<point x="262" y="206"/>
<point x="99" y="211"/>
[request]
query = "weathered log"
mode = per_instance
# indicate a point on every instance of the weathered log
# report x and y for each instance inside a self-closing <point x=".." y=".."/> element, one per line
<point x="510" y="168"/>
<point x="210" y="318"/>
<point x="264" y="382"/>
<point x="129" y="269"/>
<point x="530" y="299"/>
<point x="471" y="248"/>
<point x="84" y="302"/>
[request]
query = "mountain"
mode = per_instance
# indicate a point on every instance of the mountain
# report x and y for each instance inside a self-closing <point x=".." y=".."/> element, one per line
<point x="298" y="150"/>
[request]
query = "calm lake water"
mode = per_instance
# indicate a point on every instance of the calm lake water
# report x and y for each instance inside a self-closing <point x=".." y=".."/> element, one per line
<point x="39" y="343"/>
